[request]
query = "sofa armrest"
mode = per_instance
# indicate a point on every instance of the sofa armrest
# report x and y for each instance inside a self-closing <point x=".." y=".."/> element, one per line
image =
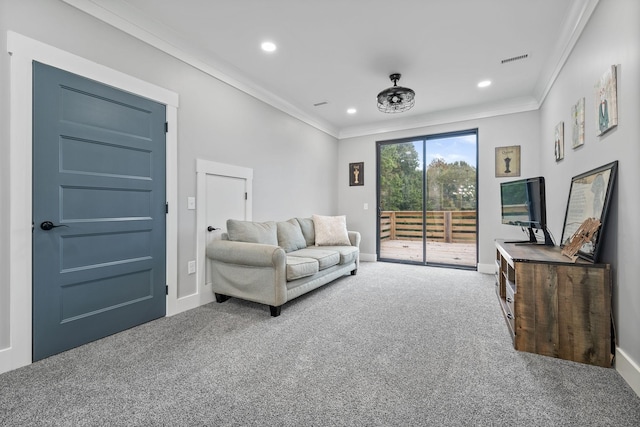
<point x="251" y="254"/>
<point x="354" y="238"/>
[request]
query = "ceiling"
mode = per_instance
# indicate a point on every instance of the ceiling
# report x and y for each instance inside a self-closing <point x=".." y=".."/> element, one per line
<point x="341" y="52"/>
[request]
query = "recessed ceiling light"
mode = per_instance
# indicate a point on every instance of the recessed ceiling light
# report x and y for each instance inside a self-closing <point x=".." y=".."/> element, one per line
<point x="352" y="111"/>
<point x="484" y="83"/>
<point x="268" y="46"/>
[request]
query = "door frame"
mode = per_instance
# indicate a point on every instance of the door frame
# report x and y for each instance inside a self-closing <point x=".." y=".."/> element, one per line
<point x="424" y="139"/>
<point x="204" y="168"/>
<point x="23" y="51"/>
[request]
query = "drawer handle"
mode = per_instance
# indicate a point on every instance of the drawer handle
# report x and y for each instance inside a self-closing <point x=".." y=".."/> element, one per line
<point x="509" y="315"/>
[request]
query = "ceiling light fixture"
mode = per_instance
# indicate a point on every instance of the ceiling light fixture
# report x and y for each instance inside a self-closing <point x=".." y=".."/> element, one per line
<point x="484" y="83"/>
<point x="268" y="46"/>
<point x="352" y="111"/>
<point x="396" y="99"/>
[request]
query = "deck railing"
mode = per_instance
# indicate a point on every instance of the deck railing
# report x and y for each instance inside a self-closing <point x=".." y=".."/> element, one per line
<point x="442" y="226"/>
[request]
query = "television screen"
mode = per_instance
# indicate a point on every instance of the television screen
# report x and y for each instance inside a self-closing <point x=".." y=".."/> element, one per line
<point x="523" y="203"/>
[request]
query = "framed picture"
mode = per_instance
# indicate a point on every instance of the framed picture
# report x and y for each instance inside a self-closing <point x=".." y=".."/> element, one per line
<point x="508" y="161"/>
<point x="577" y="124"/>
<point x="589" y="197"/>
<point x="606" y="96"/>
<point x="356" y="173"/>
<point x="558" y="141"/>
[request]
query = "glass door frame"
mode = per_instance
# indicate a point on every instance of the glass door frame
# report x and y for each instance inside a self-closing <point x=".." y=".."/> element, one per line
<point x="424" y="139"/>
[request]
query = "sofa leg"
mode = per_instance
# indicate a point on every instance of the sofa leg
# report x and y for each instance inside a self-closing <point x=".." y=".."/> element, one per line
<point x="221" y="298"/>
<point x="354" y="272"/>
<point x="275" y="311"/>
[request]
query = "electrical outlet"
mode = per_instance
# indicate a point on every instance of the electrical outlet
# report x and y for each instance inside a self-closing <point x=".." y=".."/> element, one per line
<point x="366" y="206"/>
<point x="191" y="267"/>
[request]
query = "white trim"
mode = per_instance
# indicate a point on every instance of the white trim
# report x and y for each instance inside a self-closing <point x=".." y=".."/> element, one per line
<point x="628" y="369"/>
<point x="204" y="295"/>
<point x="487" y="268"/>
<point x="24" y="51"/>
<point x="368" y="257"/>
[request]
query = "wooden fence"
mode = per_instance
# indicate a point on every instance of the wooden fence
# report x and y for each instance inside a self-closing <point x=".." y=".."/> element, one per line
<point x="442" y="226"/>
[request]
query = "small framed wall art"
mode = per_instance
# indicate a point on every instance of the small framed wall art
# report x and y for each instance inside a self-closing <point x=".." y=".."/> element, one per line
<point x="356" y="173"/>
<point x="606" y="95"/>
<point x="577" y="123"/>
<point x="558" y="141"/>
<point x="508" y="161"/>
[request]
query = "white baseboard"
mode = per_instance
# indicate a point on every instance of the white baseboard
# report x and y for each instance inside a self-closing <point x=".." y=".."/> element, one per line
<point x="487" y="268"/>
<point x="628" y="369"/>
<point x="368" y="257"/>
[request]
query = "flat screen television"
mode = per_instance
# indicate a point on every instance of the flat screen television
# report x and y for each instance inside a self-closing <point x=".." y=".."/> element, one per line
<point x="523" y="204"/>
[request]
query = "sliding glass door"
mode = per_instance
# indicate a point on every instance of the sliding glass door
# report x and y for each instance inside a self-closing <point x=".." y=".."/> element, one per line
<point x="427" y="204"/>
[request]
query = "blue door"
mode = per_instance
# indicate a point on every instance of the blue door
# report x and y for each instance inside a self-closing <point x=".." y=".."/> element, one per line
<point x="98" y="210"/>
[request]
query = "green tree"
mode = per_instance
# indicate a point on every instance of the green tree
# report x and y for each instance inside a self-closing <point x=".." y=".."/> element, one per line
<point x="400" y="177"/>
<point x="450" y="186"/>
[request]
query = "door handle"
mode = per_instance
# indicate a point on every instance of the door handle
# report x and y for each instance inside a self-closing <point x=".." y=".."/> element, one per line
<point x="210" y="228"/>
<point x="48" y="225"/>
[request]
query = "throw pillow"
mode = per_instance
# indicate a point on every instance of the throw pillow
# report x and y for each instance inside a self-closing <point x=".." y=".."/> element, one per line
<point x="331" y="230"/>
<point x="252" y="232"/>
<point x="290" y="236"/>
<point x="306" y="225"/>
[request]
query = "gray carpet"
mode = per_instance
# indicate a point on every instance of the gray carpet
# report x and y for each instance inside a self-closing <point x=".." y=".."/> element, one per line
<point x="395" y="345"/>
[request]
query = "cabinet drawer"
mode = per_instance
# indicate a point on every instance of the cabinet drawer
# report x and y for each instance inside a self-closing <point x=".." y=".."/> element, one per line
<point x="510" y="308"/>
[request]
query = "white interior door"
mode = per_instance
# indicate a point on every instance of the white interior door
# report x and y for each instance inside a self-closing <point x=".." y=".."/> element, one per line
<point x="224" y="192"/>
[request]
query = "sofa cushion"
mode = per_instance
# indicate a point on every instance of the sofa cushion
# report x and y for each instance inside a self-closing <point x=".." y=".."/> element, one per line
<point x="252" y="232"/>
<point x="348" y="254"/>
<point x="298" y="267"/>
<point x="290" y="236"/>
<point x="325" y="258"/>
<point x="306" y="225"/>
<point x="331" y="230"/>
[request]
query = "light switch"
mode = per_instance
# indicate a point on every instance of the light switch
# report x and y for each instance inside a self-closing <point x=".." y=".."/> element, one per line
<point x="191" y="203"/>
<point x="191" y="267"/>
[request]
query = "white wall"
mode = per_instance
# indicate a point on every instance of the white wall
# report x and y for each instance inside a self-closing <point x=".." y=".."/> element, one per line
<point x="511" y="129"/>
<point x="294" y="164"/>
<point x="612" y="37"/>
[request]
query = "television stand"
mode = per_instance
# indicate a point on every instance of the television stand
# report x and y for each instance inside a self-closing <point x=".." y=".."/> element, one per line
<point x="553" y="306"/>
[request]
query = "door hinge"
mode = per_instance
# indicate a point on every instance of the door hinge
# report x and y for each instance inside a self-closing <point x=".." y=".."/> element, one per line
<point x="166" y="207"/>
<point x="166" y="127"/>
<point x="166" y="289"/>
<point x="245" y="196"/>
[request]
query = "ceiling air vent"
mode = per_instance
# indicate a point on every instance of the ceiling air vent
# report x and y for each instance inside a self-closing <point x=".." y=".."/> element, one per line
<point x="320" y="103"/>
<point x="515" y="58"/>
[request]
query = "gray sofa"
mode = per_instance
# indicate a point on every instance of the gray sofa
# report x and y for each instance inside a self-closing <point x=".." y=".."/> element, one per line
<point x="274" y="262"/>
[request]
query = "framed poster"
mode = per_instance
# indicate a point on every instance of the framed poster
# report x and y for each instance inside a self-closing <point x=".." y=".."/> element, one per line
<point x="606" y="95"/>
<point x="356" y="173"/>
<point x="508" y="161"/>
<point x="589" y="197"/>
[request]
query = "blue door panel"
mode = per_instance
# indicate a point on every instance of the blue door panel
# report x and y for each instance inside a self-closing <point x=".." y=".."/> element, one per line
<point x="100" y="111"/>
<point x="88" y="298"/>
<point x="95" y="203"/>
<point x="96" y="158"/>
<point x="99" y="173"/>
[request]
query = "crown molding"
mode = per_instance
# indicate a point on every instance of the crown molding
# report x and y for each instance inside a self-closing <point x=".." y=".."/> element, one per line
<point x="574" y="24"/>
<point x="572" y="29"/>
<point x="511" y="106"/>
<point x="149" y="36"/>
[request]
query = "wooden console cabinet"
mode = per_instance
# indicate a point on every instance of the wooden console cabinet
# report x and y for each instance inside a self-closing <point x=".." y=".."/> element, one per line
<point x="553" y="306"/>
